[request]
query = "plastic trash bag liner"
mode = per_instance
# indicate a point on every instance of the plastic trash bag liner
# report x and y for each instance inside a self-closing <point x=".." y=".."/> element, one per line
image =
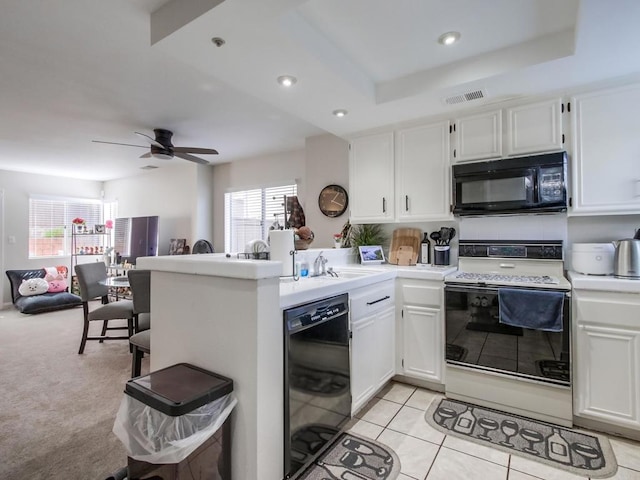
<point x="154" y="437"/>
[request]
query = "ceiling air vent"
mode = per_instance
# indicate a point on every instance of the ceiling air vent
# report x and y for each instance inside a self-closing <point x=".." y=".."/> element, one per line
<point x="465" y="97"/>
<point x="148" y="167"/>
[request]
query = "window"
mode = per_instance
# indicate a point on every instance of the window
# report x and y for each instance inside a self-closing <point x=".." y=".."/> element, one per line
<point x="50" y="223"/>
<point x="249" y="214"/>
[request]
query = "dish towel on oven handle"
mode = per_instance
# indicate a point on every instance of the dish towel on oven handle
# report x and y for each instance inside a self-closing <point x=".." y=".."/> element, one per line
<point x="536" y="309"/>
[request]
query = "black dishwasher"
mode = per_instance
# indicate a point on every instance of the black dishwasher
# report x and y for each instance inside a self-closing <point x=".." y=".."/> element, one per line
<point x="317" y="387"/>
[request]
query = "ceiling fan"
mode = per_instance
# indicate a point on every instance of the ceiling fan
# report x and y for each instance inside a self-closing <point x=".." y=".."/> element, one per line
<point x="162" y="148"/>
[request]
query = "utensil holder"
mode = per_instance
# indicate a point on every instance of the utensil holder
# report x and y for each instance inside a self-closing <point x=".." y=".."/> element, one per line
<point x="441" y="255"/>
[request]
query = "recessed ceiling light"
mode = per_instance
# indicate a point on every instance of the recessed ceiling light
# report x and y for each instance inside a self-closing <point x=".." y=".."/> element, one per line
<point x="287" y="80"/>
<point x="449" y="38"/>
<point x="218" y="42"/>
<point x="340" y="113"/>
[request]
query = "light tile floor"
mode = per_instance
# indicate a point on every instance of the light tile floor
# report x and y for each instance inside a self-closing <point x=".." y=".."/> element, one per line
<point x="396" y="418"/>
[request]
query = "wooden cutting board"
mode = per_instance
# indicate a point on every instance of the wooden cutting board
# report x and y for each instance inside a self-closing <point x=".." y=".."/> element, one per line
<point x="405" y="246"/>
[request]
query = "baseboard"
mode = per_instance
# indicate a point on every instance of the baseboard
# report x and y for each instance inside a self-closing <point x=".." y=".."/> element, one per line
<point x="416" y="382"/>
<point x="607" y="428"/>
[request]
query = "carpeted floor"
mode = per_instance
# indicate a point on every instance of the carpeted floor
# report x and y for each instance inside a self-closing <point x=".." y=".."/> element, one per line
<point x="58" y="407"/>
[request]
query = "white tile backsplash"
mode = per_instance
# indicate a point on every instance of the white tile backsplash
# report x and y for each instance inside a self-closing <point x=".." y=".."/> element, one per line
<point x="515" y="227"/>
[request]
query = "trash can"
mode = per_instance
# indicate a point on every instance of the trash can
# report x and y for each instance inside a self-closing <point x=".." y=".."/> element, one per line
<point x="175" y="424"/>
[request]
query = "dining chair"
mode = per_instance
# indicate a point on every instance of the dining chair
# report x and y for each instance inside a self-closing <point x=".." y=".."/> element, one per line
<point x="140" y="342"/>
<point x="140" y="285"/>
<point x="89" y="277"/>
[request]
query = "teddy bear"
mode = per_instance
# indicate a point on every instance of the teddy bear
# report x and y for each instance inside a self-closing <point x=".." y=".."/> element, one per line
<point x="55" y="283"/>
<point x="33" y="286"/>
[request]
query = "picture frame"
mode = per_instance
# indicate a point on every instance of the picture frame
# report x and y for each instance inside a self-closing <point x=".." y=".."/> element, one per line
<point x="177" y="246"/>
<point x="371" y="254"/>
<point x="99" y="229"/>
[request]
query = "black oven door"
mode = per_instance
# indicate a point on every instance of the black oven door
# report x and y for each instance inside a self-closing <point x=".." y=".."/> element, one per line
<point x="476" y="338"/>
<point x="477" y="193"/>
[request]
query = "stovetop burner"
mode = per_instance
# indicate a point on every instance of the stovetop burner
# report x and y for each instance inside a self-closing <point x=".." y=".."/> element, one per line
<point x="502" y="278"/>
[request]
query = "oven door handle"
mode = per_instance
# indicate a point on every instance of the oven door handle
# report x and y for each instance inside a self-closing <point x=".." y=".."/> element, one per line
<point x="467" y="288"/>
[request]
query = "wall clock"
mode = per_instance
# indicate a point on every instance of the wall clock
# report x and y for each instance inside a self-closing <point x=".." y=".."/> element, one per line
<point x="333" y="200"/>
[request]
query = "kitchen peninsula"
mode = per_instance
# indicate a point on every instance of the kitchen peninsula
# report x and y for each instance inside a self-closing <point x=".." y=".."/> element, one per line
<point x="225" y="315"/>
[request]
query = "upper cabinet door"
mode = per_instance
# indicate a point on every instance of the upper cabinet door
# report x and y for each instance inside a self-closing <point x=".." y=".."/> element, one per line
<point x="423" y="188"/>
<point x="478" y="137"/>
<point x="606" y="152"/>
<point x="371" y="179"/>
<point x="534" y="128"/>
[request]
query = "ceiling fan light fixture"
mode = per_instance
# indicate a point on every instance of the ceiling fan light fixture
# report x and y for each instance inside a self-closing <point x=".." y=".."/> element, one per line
<point x="449" y="38"/>
<point x="162" y="156"/>
<point x="287" y="80"/>
<point x="340" y="113"/>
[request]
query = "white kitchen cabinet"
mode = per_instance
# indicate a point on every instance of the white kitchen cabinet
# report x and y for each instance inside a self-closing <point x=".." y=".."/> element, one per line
<point x="478" y="137"/>
<point x="423" y="186"/>
<point x="534" y="128"/>
<point x="607" y="357"/>
<point x="371" y="179"/>
<point x="606" y="152"/>
<point x="372" y="341"/>
<point x="422" y="327"/>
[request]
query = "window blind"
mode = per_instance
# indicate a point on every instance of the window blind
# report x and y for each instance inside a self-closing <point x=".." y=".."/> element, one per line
<point x="249" y="214"/>
<point x="50" y="223"/>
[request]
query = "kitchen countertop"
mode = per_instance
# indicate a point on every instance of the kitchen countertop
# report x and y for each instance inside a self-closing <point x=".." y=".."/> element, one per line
<point x="212" y="264"/>
<point x="351" y="277"/>
<point x="607" y="283"/>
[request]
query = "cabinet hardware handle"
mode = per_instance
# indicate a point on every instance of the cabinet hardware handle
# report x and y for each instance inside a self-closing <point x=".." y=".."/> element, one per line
<point x="563" y="138"/>
<point x="454" y="127"/>
<point x="571" y="201"/>
<point x="569" y="107"/>
<point x="507" y="265"/>
<point x="454" y="153"/>
<point x="384" y="205"/>
<point x="379" y="300"/>
<point x="562" y="108"/>
<point x="406" y="203"/>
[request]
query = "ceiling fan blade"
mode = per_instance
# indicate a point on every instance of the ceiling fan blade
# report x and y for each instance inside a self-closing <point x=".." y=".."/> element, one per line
<point x="209" y="151"/>
<point x="145" y="155"/>
<point x="125" y="144"/>
<point x="191" y="158"/>
<point x="149" y="139"/>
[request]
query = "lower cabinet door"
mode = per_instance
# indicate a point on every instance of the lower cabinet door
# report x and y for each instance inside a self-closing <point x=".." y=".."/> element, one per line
<point x="608" y="368"/>
<point x="385" y="348"/>
<point x="363" y="357"/>
<point x="423" y="355"/>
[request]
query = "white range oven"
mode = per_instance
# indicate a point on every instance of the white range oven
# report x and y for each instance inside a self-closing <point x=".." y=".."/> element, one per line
<point x="508" y="328"/>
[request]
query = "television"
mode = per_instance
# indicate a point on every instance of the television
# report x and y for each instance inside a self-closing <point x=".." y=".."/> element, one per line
<point x="135" y="237"/>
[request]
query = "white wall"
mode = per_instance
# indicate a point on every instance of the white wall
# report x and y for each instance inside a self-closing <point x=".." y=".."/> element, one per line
<point x="17" y="187"/>
<point x="268" y="170"/>
<point x="172" y="193"/>
<point x="327" y="162"/>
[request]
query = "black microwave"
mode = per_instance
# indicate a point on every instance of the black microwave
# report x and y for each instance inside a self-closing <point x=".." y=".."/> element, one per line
<point x="533" y="184"/>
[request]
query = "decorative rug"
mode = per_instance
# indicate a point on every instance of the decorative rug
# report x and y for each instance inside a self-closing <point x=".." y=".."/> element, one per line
<point x="352" y="457"/>
<point x="579" y="453"/>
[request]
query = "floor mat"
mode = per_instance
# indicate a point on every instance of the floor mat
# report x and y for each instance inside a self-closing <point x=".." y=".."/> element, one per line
<point x="355" y="458"/>
<point x="579" y="453"/>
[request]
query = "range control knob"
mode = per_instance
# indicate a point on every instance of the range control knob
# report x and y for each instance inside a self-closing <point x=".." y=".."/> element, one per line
<point x="551" y="252"/>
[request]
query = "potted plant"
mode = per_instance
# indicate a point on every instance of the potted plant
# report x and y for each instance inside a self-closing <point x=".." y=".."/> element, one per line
<point x="367" y="234"/>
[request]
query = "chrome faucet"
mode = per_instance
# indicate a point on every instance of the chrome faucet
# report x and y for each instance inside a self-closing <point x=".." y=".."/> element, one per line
<point x="319" y="265"/>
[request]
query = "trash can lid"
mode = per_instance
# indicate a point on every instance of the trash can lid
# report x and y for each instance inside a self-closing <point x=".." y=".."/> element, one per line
<point x="178" y="389"/>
